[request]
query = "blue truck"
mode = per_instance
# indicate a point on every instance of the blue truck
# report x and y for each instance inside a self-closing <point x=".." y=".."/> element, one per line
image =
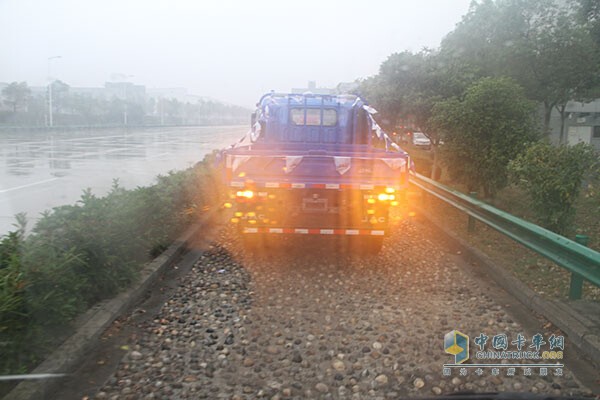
<point x="315" y="165"/>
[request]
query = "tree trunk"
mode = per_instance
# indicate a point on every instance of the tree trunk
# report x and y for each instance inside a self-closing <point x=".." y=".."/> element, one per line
<point x="436" y="170"/>
<point x="563" y="117"/>
<point x="547" y="115"/>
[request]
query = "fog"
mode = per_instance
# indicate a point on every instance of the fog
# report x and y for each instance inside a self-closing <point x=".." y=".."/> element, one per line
<point x="228" y="50"/>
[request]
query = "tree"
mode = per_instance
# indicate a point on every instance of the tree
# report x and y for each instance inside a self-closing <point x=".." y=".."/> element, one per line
<point x="440" y="79"/>
<point x="589" y="15"/>
<point x="552" y="177"/>
<point x="388" y="90"/>
<point x="558" y="62"/>
<point x="83" y="105"/>
<point x="409" y="84"/>
<point x="60" y="95"/>
<point x="16" y="95"/>
<point x="543" y="44"/>
<point x="173" y="109"/>
<point x="484" y="131"/>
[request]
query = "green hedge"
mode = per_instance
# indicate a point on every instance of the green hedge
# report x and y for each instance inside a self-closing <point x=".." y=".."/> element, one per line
<point x="79" y="254"/>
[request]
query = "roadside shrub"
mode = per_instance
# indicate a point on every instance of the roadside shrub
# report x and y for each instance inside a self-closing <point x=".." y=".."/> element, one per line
<point x="552" y="176"/>
<point x="79" y="254"/>
<point x="13" y="312"/>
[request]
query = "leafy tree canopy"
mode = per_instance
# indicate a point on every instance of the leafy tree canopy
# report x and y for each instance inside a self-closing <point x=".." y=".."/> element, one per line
<point x="483" y="131"/>
<point x="16" y="95"/>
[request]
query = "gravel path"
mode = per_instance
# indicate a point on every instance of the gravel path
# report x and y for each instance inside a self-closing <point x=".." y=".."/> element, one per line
<point x="307" y="321"/>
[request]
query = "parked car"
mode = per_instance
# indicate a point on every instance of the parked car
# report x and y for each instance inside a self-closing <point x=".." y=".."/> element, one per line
<point x="421" y="141"/>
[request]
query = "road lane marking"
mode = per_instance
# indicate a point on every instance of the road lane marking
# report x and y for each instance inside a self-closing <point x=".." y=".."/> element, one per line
<point x="28" y="185"/>
<point x="157" y="156"/>
<point x="29" y="377"/>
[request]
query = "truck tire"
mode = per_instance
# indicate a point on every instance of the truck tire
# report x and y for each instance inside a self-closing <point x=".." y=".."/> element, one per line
<point x="255" y="242"/>
<point x="374" y="244"/>
<point x="365" y="245"/>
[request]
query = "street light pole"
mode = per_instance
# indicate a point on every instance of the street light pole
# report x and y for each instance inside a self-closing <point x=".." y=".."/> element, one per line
<point x="50" y="119"/>
<point x="125" y="100"/>
<point x="125" y="110"/>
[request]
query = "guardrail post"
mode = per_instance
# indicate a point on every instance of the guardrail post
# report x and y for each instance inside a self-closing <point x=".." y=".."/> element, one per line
<point x="471" y="223"/>
<point x="576" y="286"/>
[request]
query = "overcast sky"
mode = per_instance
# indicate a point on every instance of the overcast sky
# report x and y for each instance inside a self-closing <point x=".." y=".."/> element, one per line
<point x="229" y="50"/>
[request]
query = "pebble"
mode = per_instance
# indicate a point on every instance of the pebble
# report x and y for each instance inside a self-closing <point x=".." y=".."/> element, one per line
<point x="496" y="380"/>
<point x="419" y="383"/>
<point x="297" y="325"/>
<point x="381" y="379"/>
<point x="321" y="387"/>
<point x="339" y="365"/>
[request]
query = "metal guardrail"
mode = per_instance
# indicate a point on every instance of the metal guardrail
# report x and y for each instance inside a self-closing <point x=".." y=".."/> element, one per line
<point x="581" y="261"/>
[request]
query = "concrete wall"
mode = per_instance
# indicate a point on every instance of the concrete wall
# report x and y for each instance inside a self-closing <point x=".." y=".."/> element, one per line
<point x="582" y="120"/>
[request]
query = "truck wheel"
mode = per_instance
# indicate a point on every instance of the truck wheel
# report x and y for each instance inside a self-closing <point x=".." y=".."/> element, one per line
<point x="255" y="242"/>
<point x="365" y="244"/>
<point x="374" y="244"/>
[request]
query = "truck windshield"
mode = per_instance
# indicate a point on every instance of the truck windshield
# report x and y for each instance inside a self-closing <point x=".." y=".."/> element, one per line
<point x="313" y="117"/>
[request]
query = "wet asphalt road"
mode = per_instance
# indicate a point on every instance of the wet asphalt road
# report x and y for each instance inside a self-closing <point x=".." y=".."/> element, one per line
<point x="41" y="170"/>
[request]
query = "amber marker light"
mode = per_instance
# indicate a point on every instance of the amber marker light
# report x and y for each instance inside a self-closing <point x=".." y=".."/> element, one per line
<point x="385" y="197"/>
<point x="245" y="193"/>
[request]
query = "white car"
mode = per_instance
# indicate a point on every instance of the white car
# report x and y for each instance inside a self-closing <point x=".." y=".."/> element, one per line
<point x="420" y="140"/>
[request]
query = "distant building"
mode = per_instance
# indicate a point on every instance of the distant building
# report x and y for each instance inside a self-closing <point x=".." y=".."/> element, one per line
<point x="3" y="105"/>
<point x="94" y="92"/>
<point x="581" y="125"/>
<point x="120" y="90"/>
<point x="341" y="88"/>
<point x="126" y="91"/>
<point x="181" y="94"/>
<point x="312" y="88"/>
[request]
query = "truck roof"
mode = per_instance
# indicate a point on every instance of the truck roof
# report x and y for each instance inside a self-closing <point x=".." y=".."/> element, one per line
<point x="311" y="100"/>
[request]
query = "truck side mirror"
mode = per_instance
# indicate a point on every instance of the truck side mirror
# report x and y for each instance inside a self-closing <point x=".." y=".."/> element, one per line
<point x="252" y="121"/>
